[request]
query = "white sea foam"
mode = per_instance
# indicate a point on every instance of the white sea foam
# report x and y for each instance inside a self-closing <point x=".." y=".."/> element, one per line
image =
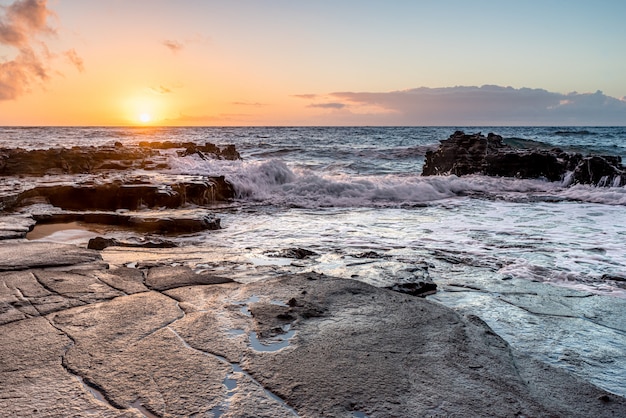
<point x="275" y="182"/>
<point x="591" y="194"/>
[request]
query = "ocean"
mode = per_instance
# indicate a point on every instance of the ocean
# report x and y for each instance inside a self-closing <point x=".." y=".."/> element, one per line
<point x="543" y="263"/>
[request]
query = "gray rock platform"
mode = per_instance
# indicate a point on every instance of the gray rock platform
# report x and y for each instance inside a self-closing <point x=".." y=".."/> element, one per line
<point x="79" y="339"/>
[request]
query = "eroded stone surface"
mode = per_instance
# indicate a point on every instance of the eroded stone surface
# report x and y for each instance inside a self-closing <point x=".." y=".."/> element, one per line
<point x="301" y="345"/>
<point x="34" y="381"/>
<point x="131" y="195"/>
<point x="89" y="159"/>
<point x="21" y="255"/>
<point x="125" y="348"/>
<point x="149" y="222"/>
<point x="15" y="226"/>
<point x="361" y="349"/>
<point x="163" y="278"/>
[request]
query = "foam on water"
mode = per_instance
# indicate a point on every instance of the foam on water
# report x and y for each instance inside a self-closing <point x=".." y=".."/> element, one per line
<point x="275" y="182"/>
<point x="570" y="244"/>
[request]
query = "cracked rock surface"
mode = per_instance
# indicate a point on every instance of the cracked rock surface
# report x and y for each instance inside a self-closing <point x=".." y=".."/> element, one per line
<point x="79" y="339"/>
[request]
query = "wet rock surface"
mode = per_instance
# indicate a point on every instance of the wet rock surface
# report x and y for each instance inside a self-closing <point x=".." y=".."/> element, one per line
<point x="131" y="196"/>
<point x="464" y="154"/>
<point x="297" y="253"/>
<point x="76" y="160"/>
<point x="148" y="222"/>
<point x="100" y="243"/>
<point x="79" y="339"/>
<point x="118" y="185"/>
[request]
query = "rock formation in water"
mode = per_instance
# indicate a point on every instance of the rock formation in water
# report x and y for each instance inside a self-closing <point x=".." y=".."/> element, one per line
<point x="101" y="185"/>
<point x="464" y="154"/>
<point x="90" y="159"/>
<point x="129" y="195"/>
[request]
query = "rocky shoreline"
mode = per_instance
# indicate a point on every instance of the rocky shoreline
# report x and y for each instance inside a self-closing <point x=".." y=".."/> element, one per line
<point x="83" y="336"/>
<point x="462" y="154"/>
<point x="86" y="335"/>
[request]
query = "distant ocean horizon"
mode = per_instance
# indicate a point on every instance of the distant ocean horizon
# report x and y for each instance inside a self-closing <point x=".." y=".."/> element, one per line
<point x="343" y="192"/>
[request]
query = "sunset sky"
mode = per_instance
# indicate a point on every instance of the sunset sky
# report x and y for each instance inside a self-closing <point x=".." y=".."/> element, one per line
<point x="315" y="62"/>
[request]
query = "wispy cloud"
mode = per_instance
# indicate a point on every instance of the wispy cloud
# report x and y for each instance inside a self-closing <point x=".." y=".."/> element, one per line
<point x="173" y="46"/>
<point x="305" y="96"/>
<point x="73" y="57"/>
<point x="253" y="104"/>
<point x="486" y="105"/>
<point x="21" y="23"/>
<point x="332" y="105"/>
<point x="160" y="90"/>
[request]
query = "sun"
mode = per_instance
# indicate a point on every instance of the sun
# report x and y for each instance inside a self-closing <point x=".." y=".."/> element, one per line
<point x="145" y="118"/>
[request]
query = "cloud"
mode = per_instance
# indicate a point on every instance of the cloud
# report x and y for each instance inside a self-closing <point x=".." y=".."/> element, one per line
<point x="254" y="104"/>
<point x="161" y="90"/>
<point x="305" y="96"/>
<point x="22" y="20"/>
<point x="486" y="105"/>
<point x="16" y="75"/>
<point x="173" y="46"/>
<point x="328" y="105"/>
<point x="76" y="60"/>
<point x="21" y="24"/>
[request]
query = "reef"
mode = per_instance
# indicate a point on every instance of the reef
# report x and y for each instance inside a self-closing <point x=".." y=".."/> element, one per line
<point x="462" y="154"/>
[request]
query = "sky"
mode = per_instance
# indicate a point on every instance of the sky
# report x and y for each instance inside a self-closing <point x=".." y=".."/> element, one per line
<point x="314" y="62"/>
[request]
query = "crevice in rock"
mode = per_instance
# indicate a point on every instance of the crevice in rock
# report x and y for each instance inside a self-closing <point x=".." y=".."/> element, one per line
<point x="24" y="300"/>
<point x="587" y="295"/>
<point x="583" y="317"/>
<point x="45" y="286"/>
<point x="539" y="313"/>
<point x="618" y="330"/>
<point x="98" y="393"/>
<point x="112" y="287"/>
<point x="138" y="405"/>
<point x="163" y="326"/>
<point x="99" y="280"/>
<point x="235" y="367"/>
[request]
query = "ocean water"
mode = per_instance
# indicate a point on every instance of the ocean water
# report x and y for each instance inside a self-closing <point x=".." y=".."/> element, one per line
<point x="496" y="247"/>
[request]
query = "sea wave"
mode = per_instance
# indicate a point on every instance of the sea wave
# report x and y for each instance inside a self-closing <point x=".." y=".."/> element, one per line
<point x="277" y="183"/>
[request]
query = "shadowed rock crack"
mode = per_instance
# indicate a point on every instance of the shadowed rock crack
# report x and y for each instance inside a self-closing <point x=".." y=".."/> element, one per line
<point x="237" y="368"/>
<point x="96" y="391"/>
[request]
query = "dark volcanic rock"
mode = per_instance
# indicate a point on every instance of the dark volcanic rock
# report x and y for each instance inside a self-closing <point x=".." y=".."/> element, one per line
<point x="78" y="160"/>
<point x="208" y="150"/>
<point x="72" y="161"/>
<point x="463" y="154"/>
<point x="599" y="170"/>
<point x="158" y="222"/>
<point x="298" y="253"/>
<point x="117" y="195"/>
<point x="100" y="243"/>
<point x="421" y="289"/>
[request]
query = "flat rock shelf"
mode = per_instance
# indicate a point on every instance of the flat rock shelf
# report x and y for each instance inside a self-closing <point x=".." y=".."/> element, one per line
<point x="81" y="336"/>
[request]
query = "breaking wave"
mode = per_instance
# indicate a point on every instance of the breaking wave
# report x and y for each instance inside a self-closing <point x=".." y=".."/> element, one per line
<point x="275" y="182"/>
